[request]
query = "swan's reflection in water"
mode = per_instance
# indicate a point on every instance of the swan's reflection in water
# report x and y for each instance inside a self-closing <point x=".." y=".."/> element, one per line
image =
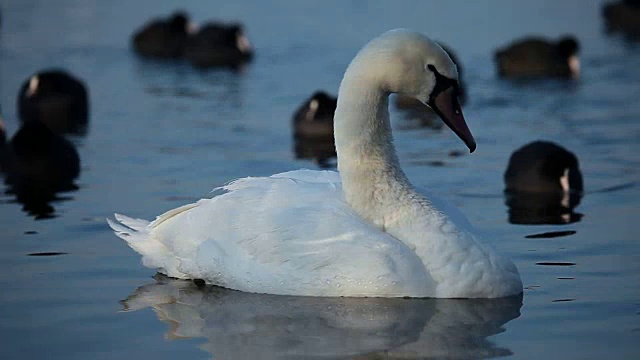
<point x="239" y="325"/>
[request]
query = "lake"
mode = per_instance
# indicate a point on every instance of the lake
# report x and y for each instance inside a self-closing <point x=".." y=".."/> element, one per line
<point x="164" y="134"/>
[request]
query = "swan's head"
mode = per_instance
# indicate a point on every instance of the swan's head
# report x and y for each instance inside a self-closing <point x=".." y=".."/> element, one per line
<point x="411" y="64"/>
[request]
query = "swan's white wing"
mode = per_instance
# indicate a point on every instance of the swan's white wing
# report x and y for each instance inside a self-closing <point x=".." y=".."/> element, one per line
<point x="324" y="176"/>
<point x="291" y="233"/>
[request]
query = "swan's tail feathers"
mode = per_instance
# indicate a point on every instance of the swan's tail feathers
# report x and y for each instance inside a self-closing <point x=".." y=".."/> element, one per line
<point x="137" y="234"/>
<point x="129" y="229"/>
<point x="136" y="224"/>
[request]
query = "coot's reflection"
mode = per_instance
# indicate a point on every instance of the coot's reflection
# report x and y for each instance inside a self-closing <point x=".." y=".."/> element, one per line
<point x="37" y="165"/>
<point x="554" y="208"/>
<point x="321" y="150"/>
<point x="237" y="325"/>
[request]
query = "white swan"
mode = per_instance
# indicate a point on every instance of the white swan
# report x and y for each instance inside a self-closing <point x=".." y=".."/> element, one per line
<point x="363" y="232"/>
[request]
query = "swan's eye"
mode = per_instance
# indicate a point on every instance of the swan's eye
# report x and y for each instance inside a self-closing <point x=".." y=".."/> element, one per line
<point x="442" y="83"/>
<point x="456" y="104"/>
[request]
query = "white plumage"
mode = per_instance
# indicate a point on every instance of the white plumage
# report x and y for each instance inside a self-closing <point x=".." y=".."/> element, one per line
<point x="363" y="232"/>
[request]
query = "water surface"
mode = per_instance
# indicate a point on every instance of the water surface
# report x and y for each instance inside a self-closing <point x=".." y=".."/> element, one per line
<point x="164" y="134"/>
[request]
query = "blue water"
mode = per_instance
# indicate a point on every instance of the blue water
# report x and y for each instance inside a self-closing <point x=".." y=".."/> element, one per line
<point x="162" y="135"/>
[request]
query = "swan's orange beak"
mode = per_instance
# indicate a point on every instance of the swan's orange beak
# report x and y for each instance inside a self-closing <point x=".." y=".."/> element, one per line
<point x="450" y="112"/>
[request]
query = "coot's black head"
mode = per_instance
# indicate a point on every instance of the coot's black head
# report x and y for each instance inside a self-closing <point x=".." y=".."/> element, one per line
<point x="563" y="165"/>
<point x="56" y="98"/>
<point x="323" y="98"/>
<point x="52" y="81"/>
<point x="323" y="104"/>
<point x="543" y="166"/>
<point x="179" y="22"/>
<point x="543" y="185"/>
<point x="240" y="40"/>
<point x="236" y="29"/>
<point x="568" y="46"/>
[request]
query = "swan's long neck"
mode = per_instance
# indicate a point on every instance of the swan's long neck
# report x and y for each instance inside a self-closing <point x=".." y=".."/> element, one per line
<point x="372" y="179"/>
